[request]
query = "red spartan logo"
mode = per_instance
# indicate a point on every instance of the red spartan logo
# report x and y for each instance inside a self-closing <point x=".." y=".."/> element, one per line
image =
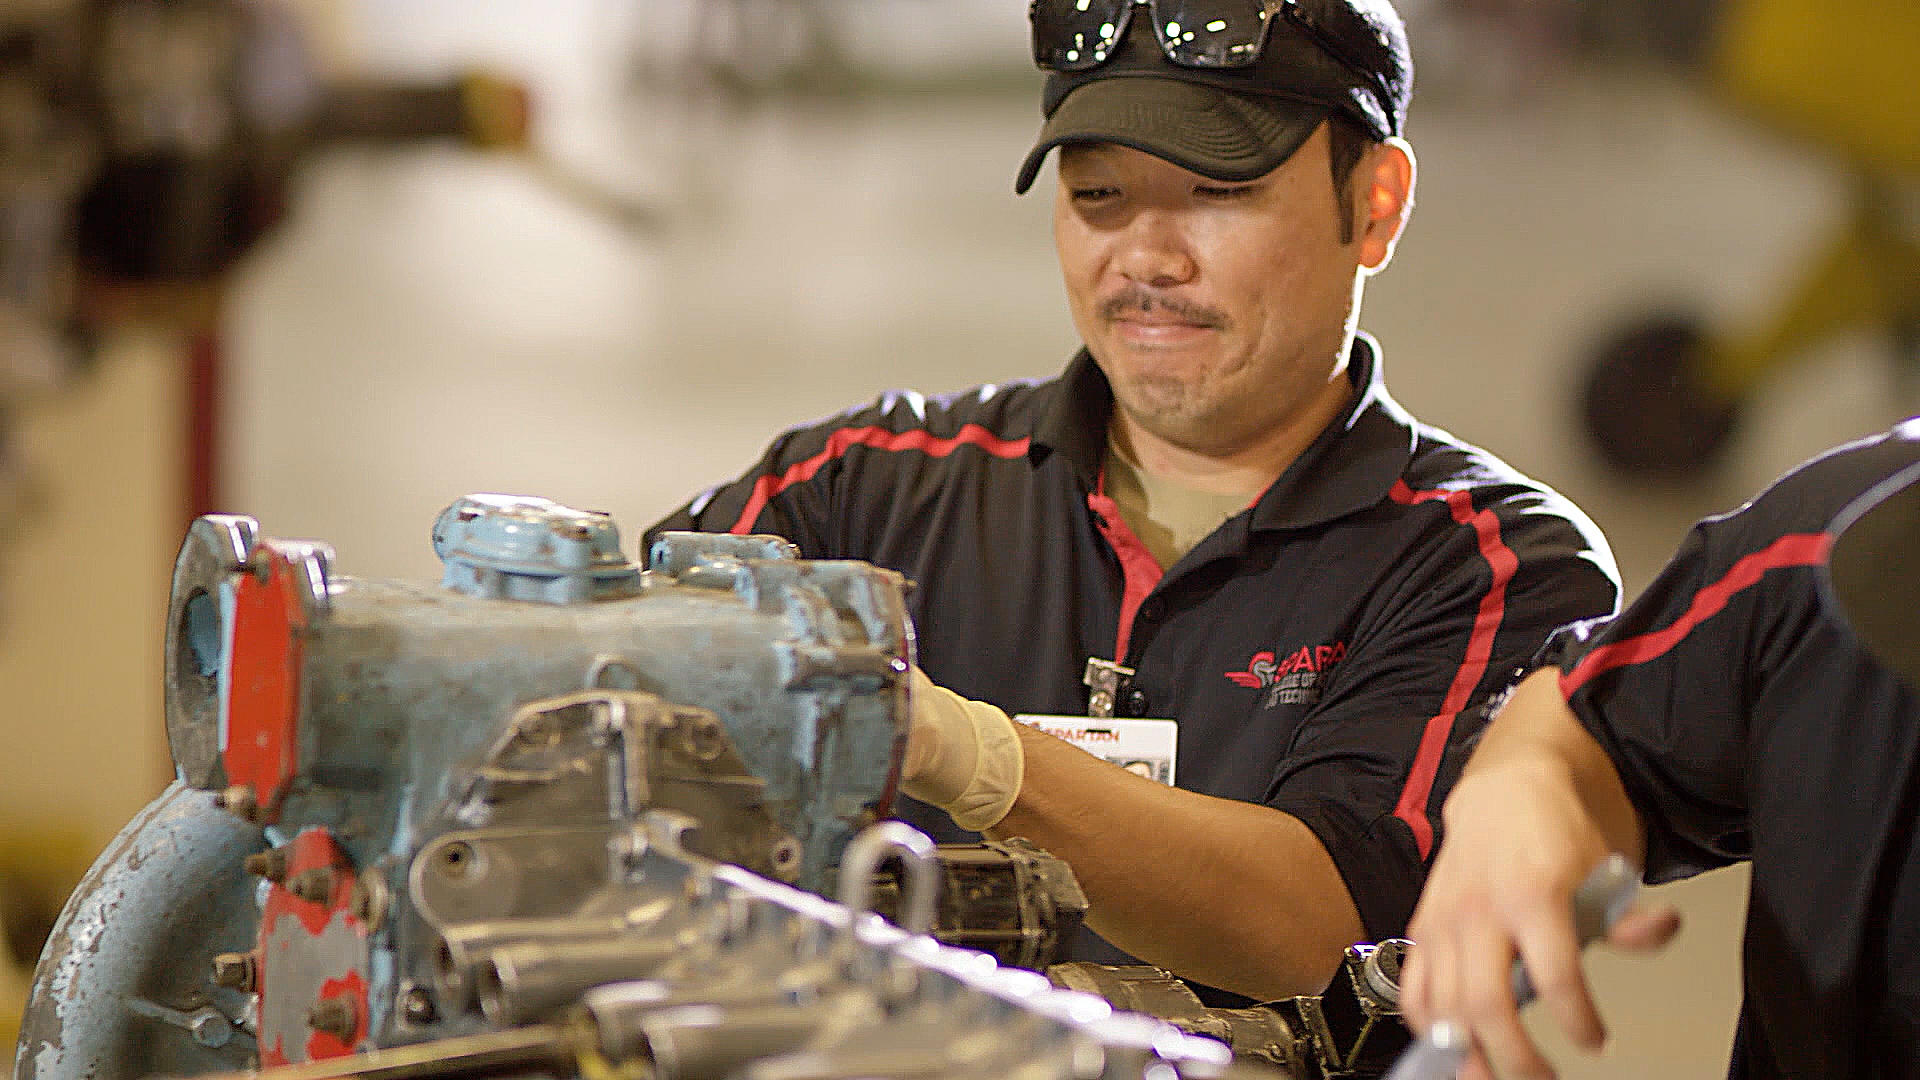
<point x="1264" y="670"/>
<point x="1259" y="671"/>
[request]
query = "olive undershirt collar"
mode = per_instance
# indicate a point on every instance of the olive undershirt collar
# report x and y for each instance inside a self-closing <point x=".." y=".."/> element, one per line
<point x="1170" y="518"/>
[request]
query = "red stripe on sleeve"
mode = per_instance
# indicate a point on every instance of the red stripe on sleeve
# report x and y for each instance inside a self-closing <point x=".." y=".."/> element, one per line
<point x="1412" y="807"/>
<point x="1794" y="549"/>
<point x="844" y="439"/>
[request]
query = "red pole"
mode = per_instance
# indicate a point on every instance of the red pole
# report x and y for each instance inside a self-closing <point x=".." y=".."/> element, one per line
<point x="203" y="416"/>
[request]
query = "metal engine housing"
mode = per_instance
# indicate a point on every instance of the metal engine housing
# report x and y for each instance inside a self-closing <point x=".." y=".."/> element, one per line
<point x="399" y="768"/>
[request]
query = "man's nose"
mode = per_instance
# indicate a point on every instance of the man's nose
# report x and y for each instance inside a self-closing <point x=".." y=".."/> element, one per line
<point x="1154" y="251"/>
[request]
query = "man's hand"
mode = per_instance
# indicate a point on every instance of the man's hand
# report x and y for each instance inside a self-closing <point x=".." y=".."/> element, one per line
<point x="1233" y="894"/>
<point x="1538" y="807"/>
<point x="963" y="756"/>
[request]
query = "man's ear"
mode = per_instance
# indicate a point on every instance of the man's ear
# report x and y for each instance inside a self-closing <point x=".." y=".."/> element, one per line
<point x="1386" y="177"/>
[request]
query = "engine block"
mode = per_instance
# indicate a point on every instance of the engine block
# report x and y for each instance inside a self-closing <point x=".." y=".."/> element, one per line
<point x="553" y="815"/>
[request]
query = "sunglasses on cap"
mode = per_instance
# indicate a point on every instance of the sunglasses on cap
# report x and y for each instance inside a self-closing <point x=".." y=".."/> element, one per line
<point x="1080" y="35"/>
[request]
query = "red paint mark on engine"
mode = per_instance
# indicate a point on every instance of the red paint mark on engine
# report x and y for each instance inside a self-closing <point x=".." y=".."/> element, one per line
<point x="313" y="849"/>
<point x="263" y="695"/>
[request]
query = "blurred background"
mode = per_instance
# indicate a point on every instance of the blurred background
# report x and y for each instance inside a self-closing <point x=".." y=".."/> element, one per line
<point x="334" y="263"/>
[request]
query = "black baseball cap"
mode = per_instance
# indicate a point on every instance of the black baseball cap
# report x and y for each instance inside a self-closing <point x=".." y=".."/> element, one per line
<point x="1320" y="57"/>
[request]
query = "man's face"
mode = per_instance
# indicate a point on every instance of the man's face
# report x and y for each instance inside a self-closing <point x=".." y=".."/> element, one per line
<point x="1218" y="311"/>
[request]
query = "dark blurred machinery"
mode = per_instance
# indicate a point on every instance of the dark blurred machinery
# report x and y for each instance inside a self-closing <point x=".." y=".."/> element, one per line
<point x="145" y="147"/>
<point x="148" y="143"/>
<point x="559" y="816"/>
<point x="1664" y="392"/>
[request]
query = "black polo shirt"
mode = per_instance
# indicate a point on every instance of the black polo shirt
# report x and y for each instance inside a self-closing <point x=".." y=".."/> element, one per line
<point x="1748" y="724"/>
<point x="1326" y="652"/>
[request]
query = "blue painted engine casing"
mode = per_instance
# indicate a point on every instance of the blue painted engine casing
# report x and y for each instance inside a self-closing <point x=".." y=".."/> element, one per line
<point x="541" y="699"/>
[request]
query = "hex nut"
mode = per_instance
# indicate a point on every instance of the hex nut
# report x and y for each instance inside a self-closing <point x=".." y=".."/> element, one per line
<point x="270" y="864"/>
<point x="314" y="886"/>
<point x="416" y="1006"/>
<point x="334" y="1016"/>
<point x="240" y="801"/>
<point x="236" y="971"/>
<point x="210" y="1029"/>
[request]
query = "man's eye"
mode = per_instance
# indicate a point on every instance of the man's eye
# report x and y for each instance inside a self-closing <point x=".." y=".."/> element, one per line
<point x="1094" y="194"/>
<point x="1224" y="191"/>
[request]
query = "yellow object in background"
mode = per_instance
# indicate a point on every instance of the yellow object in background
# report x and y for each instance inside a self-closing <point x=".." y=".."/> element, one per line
<point x="13" y="980"/>
<point x="13" y="1002"/>
<point x="38" y="869"/>
<point x="1841" y="75"/>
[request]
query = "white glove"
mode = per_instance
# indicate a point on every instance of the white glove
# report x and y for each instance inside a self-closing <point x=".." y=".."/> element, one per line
<point x="963" y="756"/>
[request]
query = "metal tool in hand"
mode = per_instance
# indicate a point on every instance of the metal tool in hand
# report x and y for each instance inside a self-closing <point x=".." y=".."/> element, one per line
<point x="1598" y="903"/>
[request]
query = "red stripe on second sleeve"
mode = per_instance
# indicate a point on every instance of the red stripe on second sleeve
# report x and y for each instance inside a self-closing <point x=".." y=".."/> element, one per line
<point x="1412" y="807"/>
<point x="878" y="438"/>
<point x="1794" y="549"/>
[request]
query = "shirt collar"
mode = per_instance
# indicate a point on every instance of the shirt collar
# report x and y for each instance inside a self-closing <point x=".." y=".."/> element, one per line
<point x="1075" y="422"/>
<point x="1350" y="467"/>
<point x="1356" y="459"/>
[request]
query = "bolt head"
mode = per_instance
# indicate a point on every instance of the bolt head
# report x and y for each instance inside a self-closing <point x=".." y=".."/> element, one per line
<point x="416" y="1006"/>
<point x="334" y="1016"/>
<point x="314" y="886"/>
<point x="210" y="1029"/>
<point x="270" y="864"/>
<point x="234" y="971"/>
<point x="240" y="801"/>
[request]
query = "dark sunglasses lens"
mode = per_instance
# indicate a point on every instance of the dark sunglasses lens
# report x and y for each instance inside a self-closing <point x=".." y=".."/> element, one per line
<point x="1211" y="33"/>
<point x="1075" y="35"/>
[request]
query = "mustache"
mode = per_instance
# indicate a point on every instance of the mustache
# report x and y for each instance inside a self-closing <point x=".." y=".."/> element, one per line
<point x="1145" y="301"/>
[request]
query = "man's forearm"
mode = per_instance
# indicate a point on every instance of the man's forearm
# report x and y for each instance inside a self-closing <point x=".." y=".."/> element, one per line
<point x="1231" y="894"/>
<point x="1537" y="729"/>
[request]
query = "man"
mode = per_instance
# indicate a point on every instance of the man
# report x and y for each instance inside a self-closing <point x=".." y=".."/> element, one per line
<point x="1731" y="714"/>
<point x="1217" y="496"/>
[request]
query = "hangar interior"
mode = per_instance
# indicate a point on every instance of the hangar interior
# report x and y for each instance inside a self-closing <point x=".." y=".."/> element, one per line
<point x="718" y="233"/>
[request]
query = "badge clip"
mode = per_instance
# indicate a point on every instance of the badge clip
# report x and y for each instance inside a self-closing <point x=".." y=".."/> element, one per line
<point x="1103" y="679"/>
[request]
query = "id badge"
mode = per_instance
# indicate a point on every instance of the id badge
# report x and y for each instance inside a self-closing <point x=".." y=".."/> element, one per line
<point x="1144" y="747"/>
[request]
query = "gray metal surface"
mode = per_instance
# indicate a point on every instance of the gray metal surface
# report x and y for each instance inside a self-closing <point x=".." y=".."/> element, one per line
<point x="440" y="768"/>
<point x="1350" y="1030"/>
<point x="538" y="819"/>
<point x="1003" y="897"/>
<point x="124" y="976"/>
<point x="403" y="681"/>
<point x="772" y="982"/>
<point x="216" y="545"/>
<point x="508" y="547"/>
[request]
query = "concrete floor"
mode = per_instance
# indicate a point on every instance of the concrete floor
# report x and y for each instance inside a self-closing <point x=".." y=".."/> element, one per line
<point x="432" y="322"/>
